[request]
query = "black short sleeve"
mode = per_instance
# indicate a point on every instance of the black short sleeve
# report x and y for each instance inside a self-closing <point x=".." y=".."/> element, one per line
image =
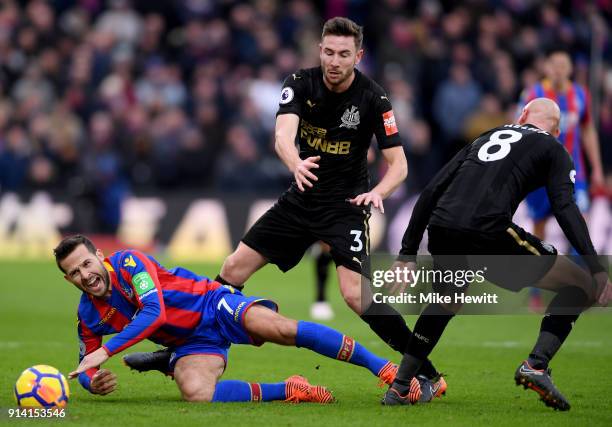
<point x="560" y="180"/>
<point x="292" y="95"/>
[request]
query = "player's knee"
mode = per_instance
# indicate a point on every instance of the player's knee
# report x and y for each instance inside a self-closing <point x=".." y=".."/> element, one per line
<point x="583" y="288"/>
<point x="352" y="297"/>
<point x="230" y="269"/>
<point x="286" y="330"/>
<point x="194" y="391"/>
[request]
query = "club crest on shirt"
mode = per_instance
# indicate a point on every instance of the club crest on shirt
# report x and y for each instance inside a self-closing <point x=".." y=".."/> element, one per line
<point x="350" y="118"/>
<point x="128" y="290"/>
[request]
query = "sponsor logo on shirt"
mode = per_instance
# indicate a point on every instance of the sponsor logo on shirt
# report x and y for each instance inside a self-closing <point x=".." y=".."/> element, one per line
<point x="315" y="138"/>
<point x="107" y="316"/>
<point x="389" y="122"/>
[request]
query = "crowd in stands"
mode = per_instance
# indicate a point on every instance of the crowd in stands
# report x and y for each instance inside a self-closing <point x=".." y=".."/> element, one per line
<point x="101" y="99"/>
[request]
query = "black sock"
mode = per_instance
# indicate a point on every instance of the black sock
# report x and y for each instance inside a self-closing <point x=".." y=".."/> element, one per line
<point x="428" y="369"/>
<point x="391" y="327"/>
<point x="427" y="332"/>
<point x="428" y="329"/>
<point x="407" y="370"/>
<point x="322" y="262"/>
<point x="544" y="349"/>
<point x="226" y="283"/>
<point x="556" y="325"/>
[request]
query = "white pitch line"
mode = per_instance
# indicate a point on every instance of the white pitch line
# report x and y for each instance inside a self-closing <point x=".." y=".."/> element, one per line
<point x="11" y="345"/>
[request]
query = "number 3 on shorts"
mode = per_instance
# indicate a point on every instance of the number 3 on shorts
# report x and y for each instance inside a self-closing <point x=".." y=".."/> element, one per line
<point x="358" y="246"/>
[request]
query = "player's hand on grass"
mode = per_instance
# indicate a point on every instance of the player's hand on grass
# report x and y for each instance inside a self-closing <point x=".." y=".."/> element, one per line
<point x="103" y="382"/>
<point x="302" y="173"/>
<point x="371" y="197"/>
<point x="403" y="278"/>
<point x="92" y="360"/>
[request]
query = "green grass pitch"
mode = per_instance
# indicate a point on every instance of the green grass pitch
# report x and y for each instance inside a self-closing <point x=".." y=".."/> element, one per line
<point x="479" y="353"/>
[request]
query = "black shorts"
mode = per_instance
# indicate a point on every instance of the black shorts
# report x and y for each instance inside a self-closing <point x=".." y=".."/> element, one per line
<point x="286" y="230"/>
<point x="512" y="259"/>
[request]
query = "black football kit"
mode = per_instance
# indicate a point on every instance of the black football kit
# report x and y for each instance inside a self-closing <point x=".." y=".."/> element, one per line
<point x="339" y="128"/>
<point x="468" y="206"/>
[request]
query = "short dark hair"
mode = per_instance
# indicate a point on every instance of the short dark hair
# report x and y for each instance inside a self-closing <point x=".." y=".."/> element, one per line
<point x="69" y="244"/>
<point x="340" y="26"/>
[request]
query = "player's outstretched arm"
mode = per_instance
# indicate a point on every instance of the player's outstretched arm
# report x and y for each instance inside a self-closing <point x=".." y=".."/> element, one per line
<point x="560" y="189"/>
<point x="284" y="144"/>
<point x="395" y="175"/>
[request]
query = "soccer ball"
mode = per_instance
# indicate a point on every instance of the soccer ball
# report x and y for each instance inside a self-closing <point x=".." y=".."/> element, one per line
<point x="41" y="386"/>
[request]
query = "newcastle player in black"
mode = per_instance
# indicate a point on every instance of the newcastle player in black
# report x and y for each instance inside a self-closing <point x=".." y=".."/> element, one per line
<point x="332" y="111"/>
<point x="468" y="209"/>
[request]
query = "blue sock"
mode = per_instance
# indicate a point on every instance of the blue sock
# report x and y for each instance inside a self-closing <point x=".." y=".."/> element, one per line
<point x="331" y="343"/>
<point x="240" y="391"/>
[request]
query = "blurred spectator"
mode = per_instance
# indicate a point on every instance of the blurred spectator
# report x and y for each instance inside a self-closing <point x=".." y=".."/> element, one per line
<point x="422" y="160"/>
<point x="238" y="168"/>
<point x="160" y="87"/>
<point x="456" y="98"/>
<point x="488" y="115"/>
<point x="103" y="166"/>
<point x="166" y="130"/>
<point x="121" y="21"/>
<point x="14" y="159"/>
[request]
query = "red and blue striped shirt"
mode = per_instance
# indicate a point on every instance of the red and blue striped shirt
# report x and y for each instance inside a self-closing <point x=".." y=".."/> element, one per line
<point x="574" y="104"/>
<point x="147" y="302"/>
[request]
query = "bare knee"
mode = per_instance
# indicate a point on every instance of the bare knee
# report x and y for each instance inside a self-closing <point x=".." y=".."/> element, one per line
<point x="286" y="330"/>
<point x="229" y="270"/>
<point x="194" y="391"/>
<point x="350" y="287"/>
<point x="352" y="297"/>
<point x="196" y="376"/>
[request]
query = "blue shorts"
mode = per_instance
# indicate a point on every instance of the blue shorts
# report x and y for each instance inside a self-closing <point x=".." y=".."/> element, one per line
<point x="539" y="205"/>
<point x="222" y="324"/>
